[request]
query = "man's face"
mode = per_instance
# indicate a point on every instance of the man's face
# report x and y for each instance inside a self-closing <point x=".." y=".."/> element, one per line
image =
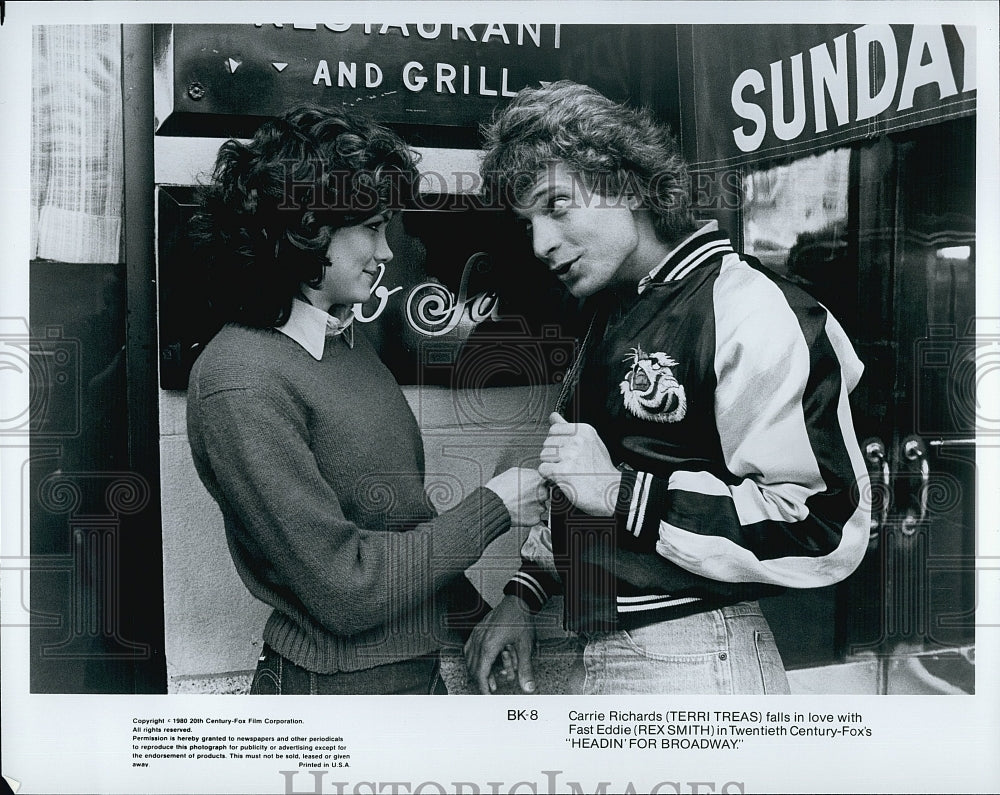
<point x="586" y="239"/>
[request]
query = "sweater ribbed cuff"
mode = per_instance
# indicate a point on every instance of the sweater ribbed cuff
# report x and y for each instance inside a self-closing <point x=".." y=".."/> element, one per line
<point x="641" y="501"/>
<point x="493" y="516"/>
<point x="480" y="518"/>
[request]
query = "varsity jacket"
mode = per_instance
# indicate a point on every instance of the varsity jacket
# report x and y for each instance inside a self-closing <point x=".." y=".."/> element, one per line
<point x="721" y="391"/>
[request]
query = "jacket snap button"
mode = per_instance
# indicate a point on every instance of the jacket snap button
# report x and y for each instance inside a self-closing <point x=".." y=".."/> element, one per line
<point x="723" y="655"/>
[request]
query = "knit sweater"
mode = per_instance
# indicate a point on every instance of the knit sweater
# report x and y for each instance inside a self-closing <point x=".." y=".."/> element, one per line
<point x="318" y="468"/>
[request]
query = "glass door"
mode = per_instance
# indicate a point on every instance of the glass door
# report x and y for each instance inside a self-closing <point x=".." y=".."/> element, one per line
<point x="883" y="233"/>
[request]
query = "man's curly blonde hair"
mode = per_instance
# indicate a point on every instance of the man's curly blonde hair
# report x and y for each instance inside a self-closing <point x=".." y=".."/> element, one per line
<point x="618" y="151"/>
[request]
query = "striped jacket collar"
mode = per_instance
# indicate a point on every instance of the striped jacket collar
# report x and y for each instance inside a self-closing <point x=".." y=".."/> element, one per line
<point x="699" y="247"/>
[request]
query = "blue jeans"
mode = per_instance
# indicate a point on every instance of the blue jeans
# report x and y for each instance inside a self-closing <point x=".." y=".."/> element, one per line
<point x="277" y="675"/>
<point x="726" y="651"/>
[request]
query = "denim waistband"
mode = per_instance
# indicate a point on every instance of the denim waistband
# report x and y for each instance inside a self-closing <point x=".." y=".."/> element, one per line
<point x="643" y="618"/>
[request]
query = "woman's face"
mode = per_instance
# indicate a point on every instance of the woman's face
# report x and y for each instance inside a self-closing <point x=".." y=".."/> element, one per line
<point x="354" y="254"/>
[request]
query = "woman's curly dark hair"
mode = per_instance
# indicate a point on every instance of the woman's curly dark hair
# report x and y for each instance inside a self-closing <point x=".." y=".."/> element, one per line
<point x="266" y="217"/>
<point x="618" y="151"/>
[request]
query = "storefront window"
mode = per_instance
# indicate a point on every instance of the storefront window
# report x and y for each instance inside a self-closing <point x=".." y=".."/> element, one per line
<point x="883" y="234"/>
<point x="795" y="215"/>
<point x="89" y="540"/>
<point x="76" y="143"/>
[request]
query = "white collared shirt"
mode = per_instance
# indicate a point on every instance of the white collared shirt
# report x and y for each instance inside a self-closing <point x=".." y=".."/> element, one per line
<point x="309" y="326"/>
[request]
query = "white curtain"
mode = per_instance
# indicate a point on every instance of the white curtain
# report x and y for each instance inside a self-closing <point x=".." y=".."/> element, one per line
<point x="76" y="143"/>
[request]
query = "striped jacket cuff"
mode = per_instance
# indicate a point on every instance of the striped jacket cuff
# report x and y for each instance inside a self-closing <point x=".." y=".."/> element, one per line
<point x="533" y="585"/>
<point x="642" y="501"/>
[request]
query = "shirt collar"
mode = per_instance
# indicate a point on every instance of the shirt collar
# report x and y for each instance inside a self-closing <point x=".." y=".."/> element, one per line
<point x="310" y="326"/>
<point x="698" y="247"/>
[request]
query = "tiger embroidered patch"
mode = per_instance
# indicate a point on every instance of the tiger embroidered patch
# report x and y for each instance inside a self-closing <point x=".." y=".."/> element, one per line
<point x="650" y="390"/>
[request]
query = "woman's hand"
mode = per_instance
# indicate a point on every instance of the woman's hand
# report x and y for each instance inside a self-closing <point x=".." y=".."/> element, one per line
<point x="523" y="492"/>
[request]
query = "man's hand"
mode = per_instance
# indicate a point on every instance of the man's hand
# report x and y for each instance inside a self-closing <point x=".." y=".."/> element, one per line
<point x="506" y="635"/>
<point x="575" y="459"/>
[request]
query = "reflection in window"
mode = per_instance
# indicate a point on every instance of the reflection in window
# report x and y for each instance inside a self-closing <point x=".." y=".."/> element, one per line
<point x="795" y="215"/>
<point x="954" y="252"/>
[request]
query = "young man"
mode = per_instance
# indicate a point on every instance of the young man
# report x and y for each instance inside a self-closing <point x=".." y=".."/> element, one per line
<point x="712" y="459"/>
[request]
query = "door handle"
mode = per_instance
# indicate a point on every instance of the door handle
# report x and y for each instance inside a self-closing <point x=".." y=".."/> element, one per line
<point x="914" y="450"/>
<point x="875" y="453"/>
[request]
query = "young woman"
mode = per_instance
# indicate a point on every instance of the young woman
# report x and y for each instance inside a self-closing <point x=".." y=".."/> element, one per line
<point x="302" y="435"/>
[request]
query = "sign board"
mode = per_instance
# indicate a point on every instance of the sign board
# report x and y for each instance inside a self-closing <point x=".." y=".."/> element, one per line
<point x="765" y="93"/>
<point x="441" y="80"/>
